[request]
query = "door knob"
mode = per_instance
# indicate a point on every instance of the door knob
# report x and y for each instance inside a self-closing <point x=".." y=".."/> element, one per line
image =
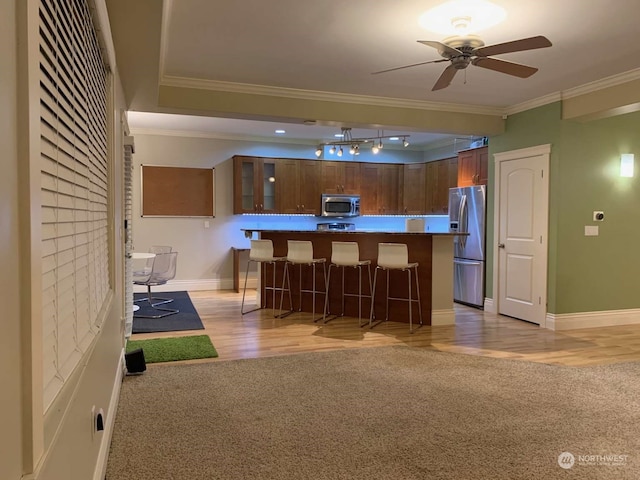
<point x="501" y="245"/>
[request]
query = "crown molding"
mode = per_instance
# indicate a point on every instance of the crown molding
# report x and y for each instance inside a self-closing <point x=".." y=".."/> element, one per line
<point x="603" y="83"/>
<point x="231" y="87"/>
<point x="534" y="103"/>
<point x="219" y="136"/>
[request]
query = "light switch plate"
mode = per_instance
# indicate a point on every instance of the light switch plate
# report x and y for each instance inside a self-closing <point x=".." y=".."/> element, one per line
<point x="591" y="231"/>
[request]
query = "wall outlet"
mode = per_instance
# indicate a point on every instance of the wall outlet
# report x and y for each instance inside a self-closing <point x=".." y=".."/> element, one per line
<point x="591" y="231"/>
<point x="598" y="216"/>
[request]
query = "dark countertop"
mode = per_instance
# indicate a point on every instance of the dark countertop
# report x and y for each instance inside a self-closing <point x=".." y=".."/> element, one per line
<point x="378" y="232"/>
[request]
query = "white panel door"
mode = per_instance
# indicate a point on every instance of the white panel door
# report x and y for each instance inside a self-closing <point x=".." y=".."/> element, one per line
<point x="522" y="240"/>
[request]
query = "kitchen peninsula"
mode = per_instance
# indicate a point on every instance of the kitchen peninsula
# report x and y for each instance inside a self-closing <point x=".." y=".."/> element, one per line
<point x="433" y="252"/>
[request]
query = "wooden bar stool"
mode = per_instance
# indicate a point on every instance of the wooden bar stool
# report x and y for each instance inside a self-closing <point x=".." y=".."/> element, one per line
<point x="300" y="252"/>
<point x="261" y="252"/>
<point x="395" y="256"/>
<point x="346" y="254"/>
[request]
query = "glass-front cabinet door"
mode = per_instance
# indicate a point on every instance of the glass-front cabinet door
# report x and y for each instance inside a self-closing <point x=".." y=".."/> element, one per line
<point x="254" y="180"/>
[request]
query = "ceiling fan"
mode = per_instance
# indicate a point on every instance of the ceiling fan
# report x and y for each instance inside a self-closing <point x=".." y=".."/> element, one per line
<point x="470" y="49"/>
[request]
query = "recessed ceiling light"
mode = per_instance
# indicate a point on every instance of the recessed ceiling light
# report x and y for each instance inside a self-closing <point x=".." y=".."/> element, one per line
<point x="338" y="135"/>
<point x="395" y="139"/>
<point x="280" y="132"/>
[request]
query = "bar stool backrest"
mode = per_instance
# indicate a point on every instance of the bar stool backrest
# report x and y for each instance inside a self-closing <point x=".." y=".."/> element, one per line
<point x="261" y="250"/>
<point x="299" y="251"/>
<point x="345" y="253"/>
<point x="393" y="255"/>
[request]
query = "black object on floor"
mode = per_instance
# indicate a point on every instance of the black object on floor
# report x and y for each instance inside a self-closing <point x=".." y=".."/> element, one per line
<point x="134" y="360"/>
<point x="186" y="319"/>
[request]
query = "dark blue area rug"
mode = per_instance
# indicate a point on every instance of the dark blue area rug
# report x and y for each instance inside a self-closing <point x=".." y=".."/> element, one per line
<point x="186" y="319"/>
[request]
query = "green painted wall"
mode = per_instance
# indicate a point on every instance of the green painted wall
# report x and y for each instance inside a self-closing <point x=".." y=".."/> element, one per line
<point x="584" y="273"/>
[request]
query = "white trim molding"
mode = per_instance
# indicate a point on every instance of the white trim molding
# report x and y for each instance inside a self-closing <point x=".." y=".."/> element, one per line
<point x="198" y="284"/>
<point x="605" y="318"/>
<point x="443" y="317"/>
<point x="489" y="305"/>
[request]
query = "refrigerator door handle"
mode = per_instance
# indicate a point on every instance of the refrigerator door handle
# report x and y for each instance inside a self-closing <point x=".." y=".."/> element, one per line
<point x="464" y="220"/>
<point x="466" y="262"/>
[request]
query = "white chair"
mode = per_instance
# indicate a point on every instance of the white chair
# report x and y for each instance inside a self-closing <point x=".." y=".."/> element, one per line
<point x="163" y="270"/>
<point x="346" y="254"/>
<point x="261" y="253"/>
<point x="395" y="256"/>
<point x="300" y="252"/>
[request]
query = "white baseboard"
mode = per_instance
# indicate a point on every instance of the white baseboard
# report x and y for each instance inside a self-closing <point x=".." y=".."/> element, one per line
<point x="489" y="306"/>
<point x="103" y="455"/>
<point x="607" y="318"/>
<point x="443" y="317"/>
<point x="193" y="285"/>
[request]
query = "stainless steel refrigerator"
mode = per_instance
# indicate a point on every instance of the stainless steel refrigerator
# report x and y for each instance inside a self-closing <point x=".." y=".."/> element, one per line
<point x="467" y="207"/>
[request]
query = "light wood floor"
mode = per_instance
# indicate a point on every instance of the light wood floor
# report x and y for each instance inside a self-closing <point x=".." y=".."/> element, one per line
<point x="258" y="334"/>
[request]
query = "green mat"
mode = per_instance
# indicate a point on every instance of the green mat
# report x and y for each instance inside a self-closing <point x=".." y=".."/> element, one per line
<point x="173" y="349"/>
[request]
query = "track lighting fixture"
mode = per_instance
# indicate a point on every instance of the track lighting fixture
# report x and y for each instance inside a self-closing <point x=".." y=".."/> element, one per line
<point x="353" y="144"/>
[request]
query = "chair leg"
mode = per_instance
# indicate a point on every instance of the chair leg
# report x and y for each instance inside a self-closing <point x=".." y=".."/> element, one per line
<point x="373" y="295"/>
<point x="370" y="293"/>
<point x="285" y="281"/>
<point x="244" y="291"/>
<point x="409" y="302"/>
<point x="326" y="296"/>
<point x="418" y="295"/>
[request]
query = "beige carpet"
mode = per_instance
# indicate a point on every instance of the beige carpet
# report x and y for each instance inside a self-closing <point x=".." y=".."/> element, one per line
<point x="377" y="413"/>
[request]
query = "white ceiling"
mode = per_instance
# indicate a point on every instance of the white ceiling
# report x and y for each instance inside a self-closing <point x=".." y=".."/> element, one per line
<point x="333" y="47"/>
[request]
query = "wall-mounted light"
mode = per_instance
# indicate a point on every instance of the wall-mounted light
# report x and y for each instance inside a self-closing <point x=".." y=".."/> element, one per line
<point x="626" y="165"/>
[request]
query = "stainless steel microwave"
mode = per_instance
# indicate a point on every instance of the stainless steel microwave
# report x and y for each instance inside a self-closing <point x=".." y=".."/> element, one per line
<point x="341" y="206"/>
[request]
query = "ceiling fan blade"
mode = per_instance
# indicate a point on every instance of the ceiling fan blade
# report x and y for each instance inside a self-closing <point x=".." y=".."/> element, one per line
<point x="445" y="78"/>
<point x="409" y="66"/>
<point x="510" y="68"/>
<point x="530" y="43"/>
<point x="444" y="50"/>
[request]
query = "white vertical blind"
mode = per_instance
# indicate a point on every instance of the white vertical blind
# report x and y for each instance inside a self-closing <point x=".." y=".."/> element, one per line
<point x="74" y="187"/>
<point x="128" y="215"/>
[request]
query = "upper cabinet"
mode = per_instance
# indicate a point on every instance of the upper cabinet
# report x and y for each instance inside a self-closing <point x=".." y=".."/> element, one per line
<point x="340" y="177"/>
<point x="254" y="180"/>
<point x="381" y="184"/>
<point x="297" y="188"/>
<point x="473" y="167"/>
<point x="415" y="188"/>
<point x="441" y="176"/>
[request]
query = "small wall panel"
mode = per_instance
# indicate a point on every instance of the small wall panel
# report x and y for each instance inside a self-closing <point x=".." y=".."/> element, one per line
<point x="177" y="191"/>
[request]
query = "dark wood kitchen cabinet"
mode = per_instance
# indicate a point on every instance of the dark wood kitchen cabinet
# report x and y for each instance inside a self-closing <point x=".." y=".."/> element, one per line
<point x="473" y="167"/>
<point x="441" y="176"/>
<point x="254" y="181"/>
<point x="414" y="188"/>
<point x="340" y="177"/>
<point x="297" y="188"/>
<point x="380" y="186"/>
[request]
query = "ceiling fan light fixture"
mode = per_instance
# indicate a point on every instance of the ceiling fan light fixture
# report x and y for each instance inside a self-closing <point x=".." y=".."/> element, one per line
<point x="462" y="17"/>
